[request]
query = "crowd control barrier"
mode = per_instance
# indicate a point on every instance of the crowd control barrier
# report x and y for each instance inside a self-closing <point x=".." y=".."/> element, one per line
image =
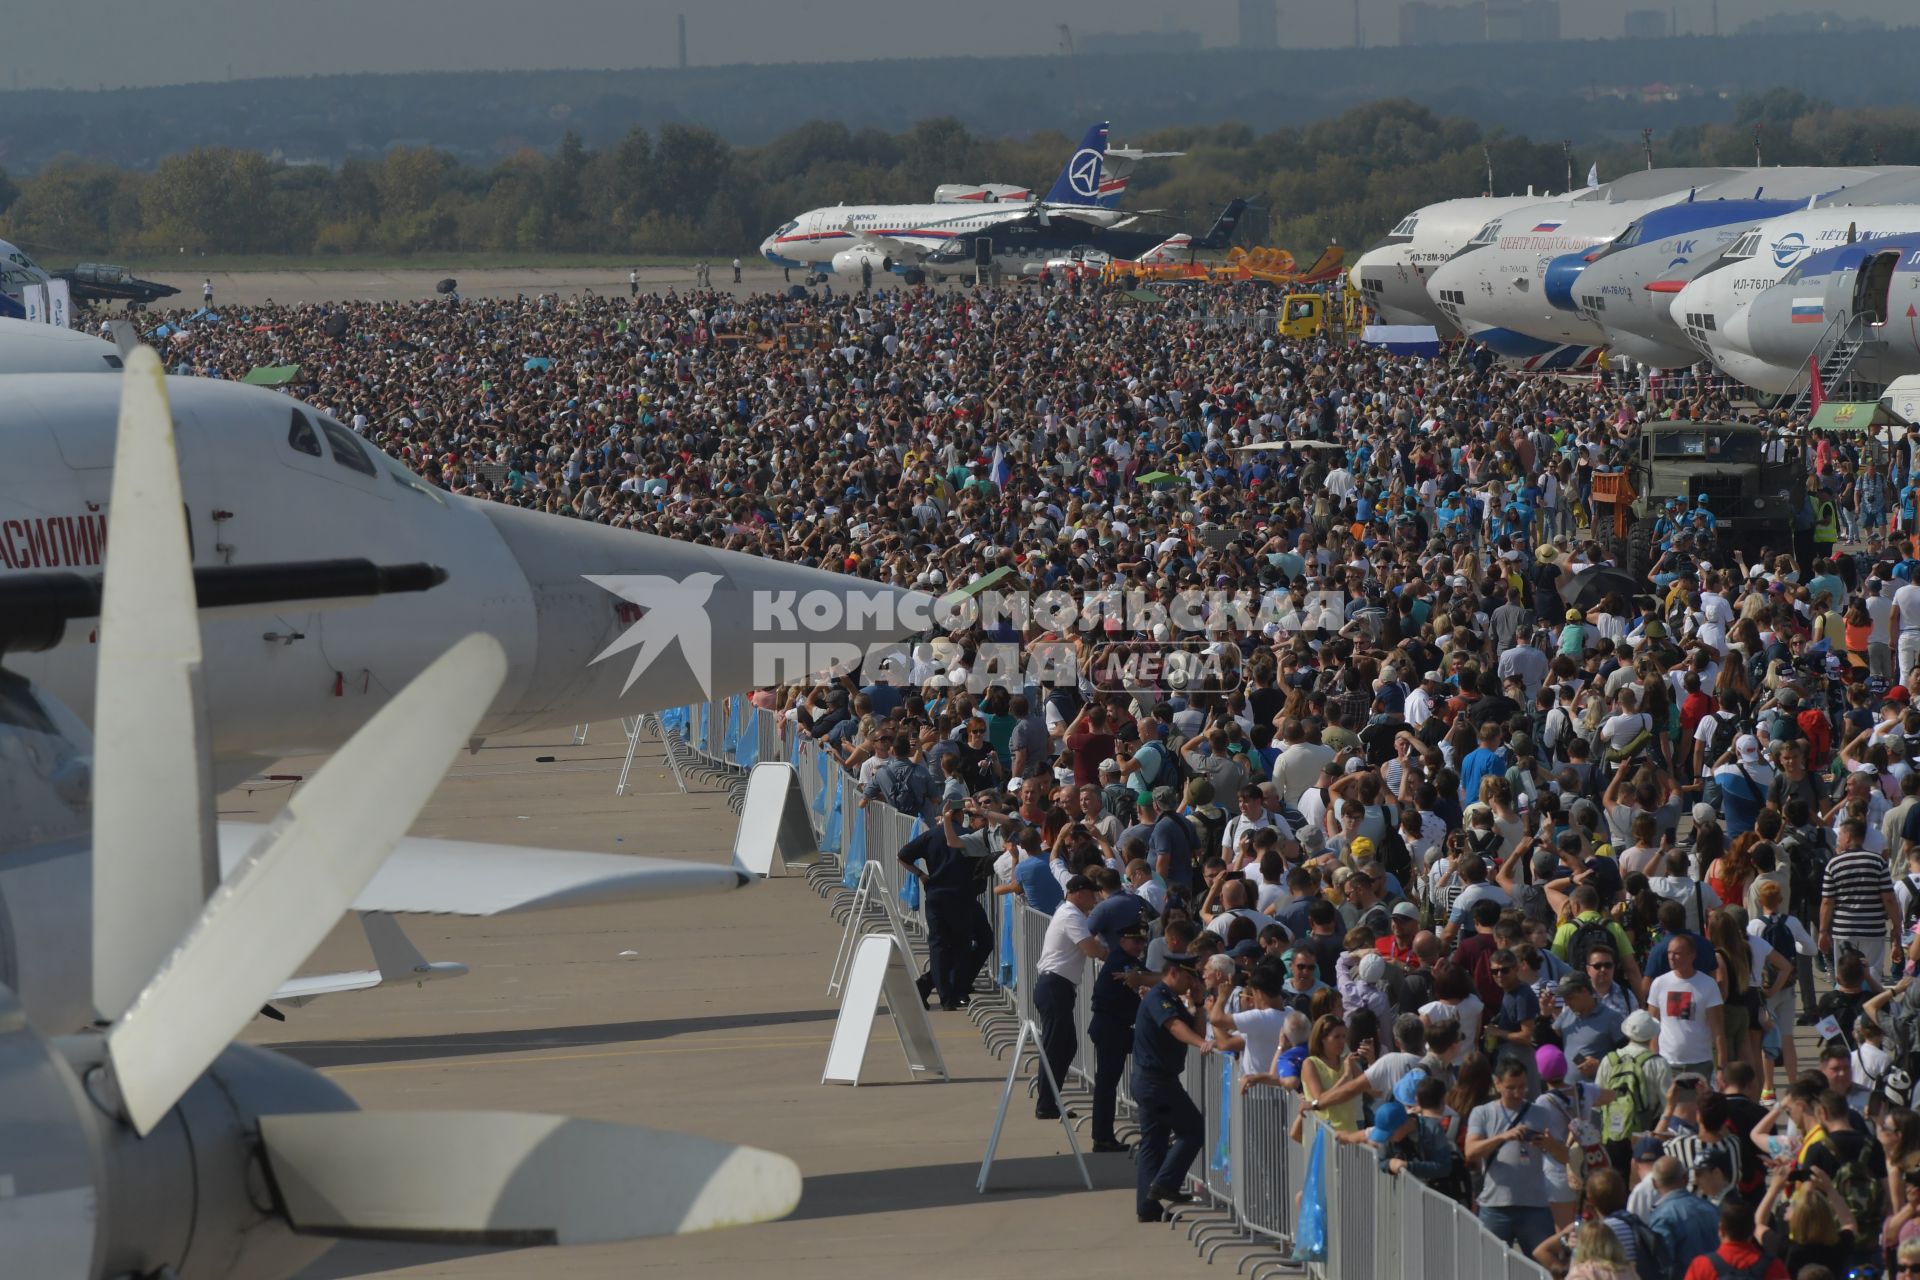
<point x="1251" y="1176"/>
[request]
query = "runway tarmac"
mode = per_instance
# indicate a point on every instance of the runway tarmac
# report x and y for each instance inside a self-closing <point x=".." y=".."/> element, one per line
<point x="719" y="1027"/>
<point x="368" y="285"/>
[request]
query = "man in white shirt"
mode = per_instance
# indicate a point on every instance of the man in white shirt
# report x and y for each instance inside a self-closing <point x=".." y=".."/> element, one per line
<point x="1420" y="702"/>
<point x="1253" y="816"/>
<point x="1688" y="1006"/>
<point x="1906" y="620"/>
<point x="1880" y="636"/>
<point x="1298" y="765"/>
<point x="1063" y="961"/>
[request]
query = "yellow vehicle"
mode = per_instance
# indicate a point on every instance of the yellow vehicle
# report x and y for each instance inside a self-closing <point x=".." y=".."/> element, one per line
<point x="1303" y="315"/>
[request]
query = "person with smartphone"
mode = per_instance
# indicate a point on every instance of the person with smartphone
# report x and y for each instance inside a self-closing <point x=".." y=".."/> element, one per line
<point x="1514" y="1137"/>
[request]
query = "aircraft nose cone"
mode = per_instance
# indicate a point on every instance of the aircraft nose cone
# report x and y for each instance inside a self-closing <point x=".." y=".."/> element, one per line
<point x="629" y="622"/>
<point x="1562" y="274"/>
<point x="1737" y="332"/>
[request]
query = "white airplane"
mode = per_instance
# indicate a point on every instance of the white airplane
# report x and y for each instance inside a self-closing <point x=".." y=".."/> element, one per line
<point x="268" y="479"/>
<point x="147" y="1143"/>
<point x="1393" y="274"/>
<point x="27" y="347"/>
<point x="1495" y="289"/>
<point x="1709" y="307"/>
<point x="17" y="271"/>
<point x="844" y="239"/>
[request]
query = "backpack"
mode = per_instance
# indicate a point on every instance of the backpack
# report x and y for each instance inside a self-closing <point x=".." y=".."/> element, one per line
<point x="1862" y="1186"/>
<point x="1782" y="727"/>
<point x="902" y="787"/>
<point x="1775" y="933"/>
<point x="1454" y="1184"/>
<point x="1653" y="1260"/>
<point x="1166" y="773"/>
<point x="1588" y="934"/>
<point x="1727" y="1271"/>
<point x="1631" y="1110"/>
<point x="1392" y="853"/>
<point x="1818" y="731"/>
<point x="1725" y="729"/>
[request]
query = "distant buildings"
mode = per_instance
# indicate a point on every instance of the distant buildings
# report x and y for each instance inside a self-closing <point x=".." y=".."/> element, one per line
<point x="1100" y="42"/>
<point x="1647" y="24"/>
<point x="1806" y="24"/>
<point x="1491" y="21"/>
<point x="1259" y="24"/>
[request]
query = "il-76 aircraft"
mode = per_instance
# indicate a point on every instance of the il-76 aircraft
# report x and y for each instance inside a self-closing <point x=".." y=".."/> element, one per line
<point x="844" y="238"/>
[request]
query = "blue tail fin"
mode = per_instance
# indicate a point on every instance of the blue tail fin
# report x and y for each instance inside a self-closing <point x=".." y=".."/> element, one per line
<point x="1222" y="234"/>
<point x="1079" y="182"/>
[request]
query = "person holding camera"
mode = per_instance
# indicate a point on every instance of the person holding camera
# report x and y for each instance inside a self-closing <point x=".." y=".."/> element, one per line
<point x="1514" y="1137"/>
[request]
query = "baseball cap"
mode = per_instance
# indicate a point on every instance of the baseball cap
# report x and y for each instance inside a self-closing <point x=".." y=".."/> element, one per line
<point x="1640" y="1027"/>
<point x="1705" y="813"/>
<point x="1574" y="615"/>
<point x="1406" y="911"/>
<point x="1435" y="676"/>
<point x="1166" y="797"/>
<point x="1648" y="1148"/>
<point x="1361" y="847"/>
<point x="1404" y="1091"/>
<point x="1713" y="1158"/>
<point x="1244" y="949"/>
<point x="1899" y="694"/>
<point x="1748" y="747"/>
<point x="1109" y="765"/>
<point x="1079" y="884"/>
<point x="1372" y="970"/>
<point x="1387" y="1119"/>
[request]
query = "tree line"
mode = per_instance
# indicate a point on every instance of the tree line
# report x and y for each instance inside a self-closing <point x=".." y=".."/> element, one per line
<point x="683" y="190"/>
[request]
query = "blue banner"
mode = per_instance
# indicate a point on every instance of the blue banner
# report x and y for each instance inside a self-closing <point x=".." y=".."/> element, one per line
<point x="822" y="796"/>
<point x="1221" y="1160"/>
<point x="856" y="848"/>
<point x="731" y="743"/>
<point x="910" y="891"/>
<point x="677" y="719"/>
<point x="748" y="753"/>
<point x="704" y="737"/>
<point x="1310" y="1241"/>
<point x="1007" y="926"/>
<point x="834" y="807"/>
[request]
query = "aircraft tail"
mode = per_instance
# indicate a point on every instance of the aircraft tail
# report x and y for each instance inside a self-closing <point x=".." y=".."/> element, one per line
<point x="1175" y="248"/>
<point x="1079" y="183"/>
<point x="1222" y="233"/>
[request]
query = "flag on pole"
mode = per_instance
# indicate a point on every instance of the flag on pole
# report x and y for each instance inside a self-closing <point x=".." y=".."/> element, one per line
<point x="1593" y="174"/>
<point x="1819" y="396"/>
<point x="999" y="470"/>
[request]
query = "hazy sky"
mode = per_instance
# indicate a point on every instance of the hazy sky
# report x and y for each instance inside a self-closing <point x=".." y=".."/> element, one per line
<point x="84" y="44"/>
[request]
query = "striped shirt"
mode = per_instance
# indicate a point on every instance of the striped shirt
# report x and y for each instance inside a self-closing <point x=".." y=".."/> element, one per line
<point x="1856" y="883"/>
<point x="1689" y="1147"/>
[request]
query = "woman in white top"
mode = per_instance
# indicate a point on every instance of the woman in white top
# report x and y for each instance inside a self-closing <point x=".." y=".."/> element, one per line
<point x="1773" y="917"/>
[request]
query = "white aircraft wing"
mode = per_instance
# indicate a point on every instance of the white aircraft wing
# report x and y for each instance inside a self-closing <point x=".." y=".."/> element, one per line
<point x="466" y="878"/>
<point x="297" y="991"/>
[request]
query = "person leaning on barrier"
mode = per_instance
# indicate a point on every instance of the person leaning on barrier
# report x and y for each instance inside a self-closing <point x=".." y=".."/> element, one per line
<point x="1171" y="1127"/>
<point x="1063" y="956"/>
<point x="1116" y="1004"/>
<point x="949" y="865"/>
<point x="1513" y="1136"/>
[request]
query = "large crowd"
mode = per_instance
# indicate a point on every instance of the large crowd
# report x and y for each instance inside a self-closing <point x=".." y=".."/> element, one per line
<point x="1594" y="911"/>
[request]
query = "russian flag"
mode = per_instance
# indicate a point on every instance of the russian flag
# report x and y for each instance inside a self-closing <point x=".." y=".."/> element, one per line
<point x="1547" y="226"/>
<point x="1809" y="311"/>
<point x="1000" y="472"/>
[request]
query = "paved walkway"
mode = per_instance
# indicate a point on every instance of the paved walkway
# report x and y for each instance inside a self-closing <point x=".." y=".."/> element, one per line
<point x="719" y="1026"/>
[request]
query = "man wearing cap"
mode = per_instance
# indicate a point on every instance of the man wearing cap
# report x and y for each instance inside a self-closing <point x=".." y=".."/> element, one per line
<point x="1639" y="1079"/>
<point x="1172" y="844"/>
<point x="1589" y="1031"/>
<point x="959" y="936"/>
<point x="1743" y="779"/>
<point x="1171" y="1127"/>
<point x="1397" y="945"/>
<point x="1422" y="701"/>
<point x="1116" y="1004"/>
<point x="1063" y="955"/>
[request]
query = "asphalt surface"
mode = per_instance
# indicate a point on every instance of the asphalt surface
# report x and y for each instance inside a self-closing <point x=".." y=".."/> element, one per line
<point x="369" y="285"/>
<point x="719" y="1025"/>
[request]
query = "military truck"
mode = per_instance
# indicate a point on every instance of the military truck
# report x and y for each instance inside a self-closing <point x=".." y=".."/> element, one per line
<point x="1753" y="501"/>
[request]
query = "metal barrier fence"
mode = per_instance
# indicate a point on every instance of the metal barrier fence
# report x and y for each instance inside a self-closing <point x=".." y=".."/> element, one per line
<point x="1250" y="1176"/>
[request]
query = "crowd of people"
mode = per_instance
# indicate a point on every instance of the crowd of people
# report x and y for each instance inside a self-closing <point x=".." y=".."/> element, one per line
<point x="1594" y="912"/>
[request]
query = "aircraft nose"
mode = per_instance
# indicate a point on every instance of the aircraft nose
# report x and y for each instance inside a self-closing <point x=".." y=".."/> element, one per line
<point x="1737" y="332"/>
<point x="629" y="622"/>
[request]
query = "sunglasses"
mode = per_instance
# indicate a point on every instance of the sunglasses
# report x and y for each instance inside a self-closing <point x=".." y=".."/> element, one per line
<point x="1604" y="967"/>
<point x="1499" y="968"/>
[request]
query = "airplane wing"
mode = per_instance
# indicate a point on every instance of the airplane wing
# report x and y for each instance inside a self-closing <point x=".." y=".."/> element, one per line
<point x="298" y="991"/>
<point x="398" y="960"/>
<point x="462" y="877"/>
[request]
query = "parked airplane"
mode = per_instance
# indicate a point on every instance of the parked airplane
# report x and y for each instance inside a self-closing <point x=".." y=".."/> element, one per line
<point x="847" y="238"/>
<point x="268" y="479"/>
<point x="93" y="282"/>
<point x="1116" y="171"/>
<point x="1863" y="297"/>
<point x="30" y="347"/>
<point x="1760" y="258"/>
<point x="147" y="1143"/>
<point x="17" y="271"/>
<point x="1393" y="274"/>
<point x="1027" y="245"/>
<point x="1494" y="289"/>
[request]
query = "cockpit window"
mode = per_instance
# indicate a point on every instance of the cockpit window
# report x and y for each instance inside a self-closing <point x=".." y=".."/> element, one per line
<point x="1628" y="238"/>
<point x="1405" y="230"/>
<point x="1486" y="235"/>
<point x="300" y="435"/>
<point x="788" y="229"/>
<point x="1745" y="247"/>
<point x="347" y="449"/>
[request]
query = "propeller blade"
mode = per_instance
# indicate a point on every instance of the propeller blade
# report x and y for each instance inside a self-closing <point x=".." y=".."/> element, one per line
<point x="155" y="859"/>
<point x="266" y="918"/>
<point x="512" y="1179"/>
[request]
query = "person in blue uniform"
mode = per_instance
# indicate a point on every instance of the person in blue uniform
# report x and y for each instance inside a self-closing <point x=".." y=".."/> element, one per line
<point x="959" y="936"/>
<point x="1116" y="1004"/>
<point x="1171" y="1128"/>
